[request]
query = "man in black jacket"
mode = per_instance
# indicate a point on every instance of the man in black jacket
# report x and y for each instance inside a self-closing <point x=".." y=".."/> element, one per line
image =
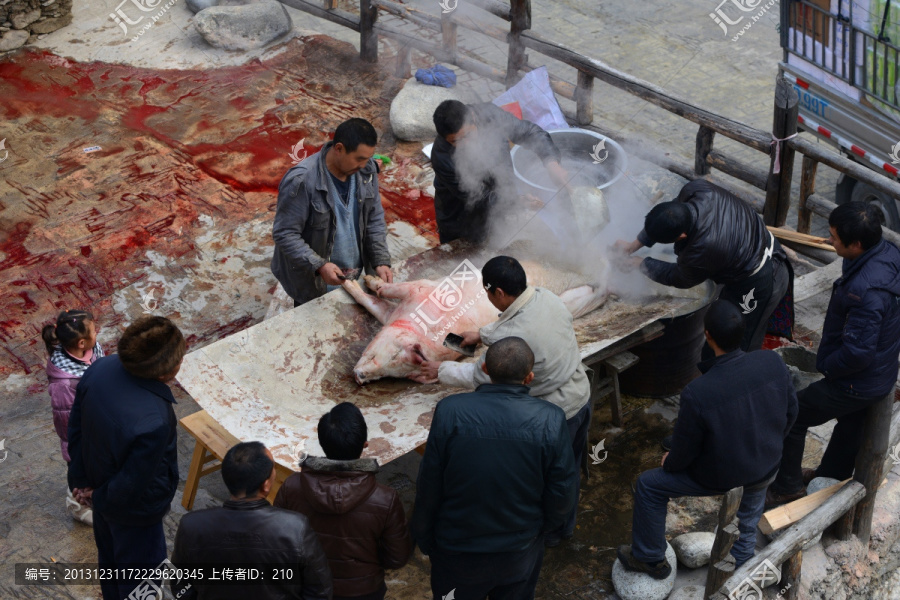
<point x="498" y="473"/>
<point x="123" y="446"/>
<point x="248" y="532"/>
<point x="731" y="426"/>
<point x="717" y="236"/>
<point x="473" y="171"/>
<point x="857" y="354"/>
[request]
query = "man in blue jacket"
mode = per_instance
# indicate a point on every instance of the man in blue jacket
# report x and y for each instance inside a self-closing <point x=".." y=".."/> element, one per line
<point x="497" y="474"/>
<point x="858" y="352"/>
<point x="123" y="445"/>
<point x="731" y="426"/>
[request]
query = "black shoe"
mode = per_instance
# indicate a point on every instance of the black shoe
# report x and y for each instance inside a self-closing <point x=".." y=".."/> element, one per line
<point x="552" y="540"/>
<point x="666" y="443"/>
<point x="660" y="570"/>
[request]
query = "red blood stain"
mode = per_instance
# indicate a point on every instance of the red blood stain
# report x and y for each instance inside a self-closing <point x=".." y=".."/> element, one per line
<point x="85" y="251"/>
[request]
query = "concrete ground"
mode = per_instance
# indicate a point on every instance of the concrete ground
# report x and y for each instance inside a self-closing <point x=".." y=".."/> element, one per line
<point x="208" y="264"/>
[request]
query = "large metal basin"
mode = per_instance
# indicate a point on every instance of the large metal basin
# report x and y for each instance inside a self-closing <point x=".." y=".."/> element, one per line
<point x="578" y="157"/>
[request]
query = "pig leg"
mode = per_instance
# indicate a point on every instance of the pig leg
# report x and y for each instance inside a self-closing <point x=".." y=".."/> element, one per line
<point x="582" y="300"/>
<point x="391" y="290"/>
<point x="380" y="309"/>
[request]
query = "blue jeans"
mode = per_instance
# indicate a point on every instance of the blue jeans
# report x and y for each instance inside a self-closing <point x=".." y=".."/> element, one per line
<point x="653" y="491"/>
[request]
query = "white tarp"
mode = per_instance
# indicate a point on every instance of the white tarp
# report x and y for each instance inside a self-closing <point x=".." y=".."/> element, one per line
<point x="536" y="100"/>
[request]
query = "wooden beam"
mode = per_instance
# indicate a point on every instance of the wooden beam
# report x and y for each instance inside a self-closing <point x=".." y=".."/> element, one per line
<point x="794" y="538"/>
<point x="368" y="38"/>
<point x="752" y="175"/>
<point x="807" y="189"/>
<point x="719" y="568"/>
<point x="788" y="514"/>
<point x="584" y="99"/>
<point x="702" y="148"/>
<point x="781" y="169"/>
<point x="499" y="9"/>
<point x="823" y="207"/>
<point x="735" y="130"/>
<point x="870" y="463"/>
<point x="515" y="57"/>
<point x="845" y="165"/>
<point x="340" y="17"/>
<point x="790" y="576"/>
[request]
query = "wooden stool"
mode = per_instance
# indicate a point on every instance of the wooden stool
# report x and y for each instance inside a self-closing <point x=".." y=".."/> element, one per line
<point x="212" y="441"/>
<point x="603" y="386"/>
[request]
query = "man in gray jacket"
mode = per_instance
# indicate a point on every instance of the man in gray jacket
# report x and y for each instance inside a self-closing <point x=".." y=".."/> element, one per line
<point x="329" y="223"/>
<point x="539" y="317"/>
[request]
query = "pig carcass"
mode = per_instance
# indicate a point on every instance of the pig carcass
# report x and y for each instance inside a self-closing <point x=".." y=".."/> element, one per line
<point x="418" y="315"/>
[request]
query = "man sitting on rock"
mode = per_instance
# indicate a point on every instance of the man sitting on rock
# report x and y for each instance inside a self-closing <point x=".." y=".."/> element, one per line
<point x="730" y="431"/>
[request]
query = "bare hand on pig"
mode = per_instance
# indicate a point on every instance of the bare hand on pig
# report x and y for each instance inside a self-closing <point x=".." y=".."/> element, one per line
<point x="331" y="274"/>
<point x="627" y="247"/>
<point x="385" y="273"/>
<point x="428" y="370"/>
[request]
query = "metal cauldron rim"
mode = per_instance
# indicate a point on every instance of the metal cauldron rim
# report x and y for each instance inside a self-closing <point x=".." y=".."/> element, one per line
<point x="611" y="142"/>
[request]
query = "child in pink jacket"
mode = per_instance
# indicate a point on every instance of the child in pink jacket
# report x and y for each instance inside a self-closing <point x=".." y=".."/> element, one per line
<point x="72" y="345"/>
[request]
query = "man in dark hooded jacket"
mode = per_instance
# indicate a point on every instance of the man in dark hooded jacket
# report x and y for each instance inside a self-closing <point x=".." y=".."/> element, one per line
<point x="858" y="352"/>
<point x="718" y="236"/>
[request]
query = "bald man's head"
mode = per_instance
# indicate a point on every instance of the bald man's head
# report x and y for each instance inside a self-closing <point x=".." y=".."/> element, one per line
<point x="509" y="361"/>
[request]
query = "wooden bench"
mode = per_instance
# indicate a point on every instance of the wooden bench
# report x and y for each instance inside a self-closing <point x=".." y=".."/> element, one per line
<point x="604" y="385"/>
<point x="211" y="442"/>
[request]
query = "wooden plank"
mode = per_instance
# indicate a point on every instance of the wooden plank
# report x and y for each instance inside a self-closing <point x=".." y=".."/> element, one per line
<point x="736" y="130"/>
<point x="794" y="538"/>
<point x="622" y="361"/>
<point x="208" y="431"/>
<point x="800" y="238"/>
<point x="788" y="514"/>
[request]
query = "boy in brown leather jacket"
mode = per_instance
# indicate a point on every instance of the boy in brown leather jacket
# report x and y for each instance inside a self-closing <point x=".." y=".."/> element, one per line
<point x="360" y="522"/>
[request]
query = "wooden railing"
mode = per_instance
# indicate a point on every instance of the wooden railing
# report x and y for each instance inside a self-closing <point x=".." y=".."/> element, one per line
<point x="850" y="510"/>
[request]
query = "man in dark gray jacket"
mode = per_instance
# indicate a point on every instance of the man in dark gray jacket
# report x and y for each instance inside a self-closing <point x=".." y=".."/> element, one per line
<point x="717" y="236"/>
<point x="329" y="223"/>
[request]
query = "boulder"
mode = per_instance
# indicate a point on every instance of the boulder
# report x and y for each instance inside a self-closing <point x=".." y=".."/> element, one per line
<point x="13" y="39"/>
<point x="688" y="592"/>
<point x="243" y="27"/>
<point x="640" y="586"/>
<point x="198" y="5"/>
<point x="413" y="107"/>
<point x="23" y="20"/>
<point x="51" y="25"/>
<point x="693" y="549"/>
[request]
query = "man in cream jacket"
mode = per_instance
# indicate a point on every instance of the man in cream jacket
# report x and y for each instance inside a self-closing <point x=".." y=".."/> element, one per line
<point x="540" y="318"/>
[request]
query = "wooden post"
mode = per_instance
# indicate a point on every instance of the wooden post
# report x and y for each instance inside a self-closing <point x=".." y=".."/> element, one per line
<point x="521" y="21"/>
<point x="448" y="35"/>
<point x="870" y="463"/>
<point x="807" y="189"/>
<point x="778" y="186"/>
<point x="790" y="576"/>
<point x="584" y="99"/>
<point x="720" y="567"/>
<point x="843" y="527"/>
<point x="368" y="39"/>
<point x="704" y="145"/>
<point x="403" y="62"/>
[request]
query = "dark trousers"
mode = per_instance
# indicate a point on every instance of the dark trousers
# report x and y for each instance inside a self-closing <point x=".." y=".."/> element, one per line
<point x="819" y="403"/>
<point x="757" y="297"/>
<point x="578" y="431"/>
<point x="498" y="576"/>
<point x="125" y="546"/>
<point x="653" y="491"/>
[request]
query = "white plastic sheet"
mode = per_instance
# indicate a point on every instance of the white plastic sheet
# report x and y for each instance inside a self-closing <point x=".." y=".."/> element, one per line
<point x="536" y="99"/>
